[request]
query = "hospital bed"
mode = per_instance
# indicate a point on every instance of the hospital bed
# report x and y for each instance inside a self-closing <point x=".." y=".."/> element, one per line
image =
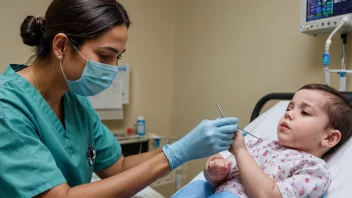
<point x="265" y="126"/>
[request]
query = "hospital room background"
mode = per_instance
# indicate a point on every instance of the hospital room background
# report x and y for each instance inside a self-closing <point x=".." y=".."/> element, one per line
<point x="187" y="55"/>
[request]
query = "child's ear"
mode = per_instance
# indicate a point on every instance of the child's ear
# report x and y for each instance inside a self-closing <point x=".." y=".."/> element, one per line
<point x="332" y="138"/>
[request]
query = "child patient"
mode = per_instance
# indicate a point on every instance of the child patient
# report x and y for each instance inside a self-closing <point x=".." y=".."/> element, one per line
<point x="316" y="122"/>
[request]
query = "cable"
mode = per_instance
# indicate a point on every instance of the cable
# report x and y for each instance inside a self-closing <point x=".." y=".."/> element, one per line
<point x="326" y="56"/>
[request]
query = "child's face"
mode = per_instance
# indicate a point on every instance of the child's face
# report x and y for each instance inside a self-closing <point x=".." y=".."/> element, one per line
<point x="304" y="125"/>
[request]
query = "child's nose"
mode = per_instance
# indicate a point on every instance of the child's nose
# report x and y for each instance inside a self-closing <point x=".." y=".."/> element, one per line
<point x="289" y="115"/>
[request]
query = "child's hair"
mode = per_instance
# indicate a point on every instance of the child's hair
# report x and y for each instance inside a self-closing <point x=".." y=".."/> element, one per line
<point x="339" y="111"/>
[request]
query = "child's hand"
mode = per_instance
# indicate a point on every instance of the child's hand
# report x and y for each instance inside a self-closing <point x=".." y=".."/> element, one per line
<point x="217" y="168"/>
<point x="238" y="143"/>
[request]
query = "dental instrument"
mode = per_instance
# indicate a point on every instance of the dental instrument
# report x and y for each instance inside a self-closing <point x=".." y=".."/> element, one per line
<point x="243" y="131"/>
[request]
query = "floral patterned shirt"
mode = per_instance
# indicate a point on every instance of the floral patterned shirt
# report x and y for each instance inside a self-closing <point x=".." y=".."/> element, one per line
<point x="296" y="173"/>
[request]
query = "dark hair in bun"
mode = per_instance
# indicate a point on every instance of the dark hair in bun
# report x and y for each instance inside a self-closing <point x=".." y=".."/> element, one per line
<point x="79" y="20"/>
<point x="31" y="30"/>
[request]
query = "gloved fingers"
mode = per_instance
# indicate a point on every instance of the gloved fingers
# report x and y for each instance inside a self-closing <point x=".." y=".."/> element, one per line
<point x="223" y="148"/>
<point x="225" y="121"/>
<point x="226" y="143"/>
<point x="226" y="136"/>
<point x="203" y="121"/>
<point x="228" y="129"/>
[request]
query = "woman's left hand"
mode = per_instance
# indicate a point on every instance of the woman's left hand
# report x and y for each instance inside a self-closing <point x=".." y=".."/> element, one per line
<point x="206" y="139"/>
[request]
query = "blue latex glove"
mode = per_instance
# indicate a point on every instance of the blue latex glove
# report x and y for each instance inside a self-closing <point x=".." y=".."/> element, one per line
<point x="208" y="138"/>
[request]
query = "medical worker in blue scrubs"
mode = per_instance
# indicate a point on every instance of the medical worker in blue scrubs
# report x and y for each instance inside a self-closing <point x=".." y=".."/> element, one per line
<point x="51" y="139"/>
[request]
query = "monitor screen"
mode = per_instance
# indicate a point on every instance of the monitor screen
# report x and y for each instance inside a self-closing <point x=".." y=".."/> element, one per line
<point x="321" y="9"/>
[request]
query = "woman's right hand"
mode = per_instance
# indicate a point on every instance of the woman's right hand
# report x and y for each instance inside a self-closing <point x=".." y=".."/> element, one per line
<point x="208" y="138"/>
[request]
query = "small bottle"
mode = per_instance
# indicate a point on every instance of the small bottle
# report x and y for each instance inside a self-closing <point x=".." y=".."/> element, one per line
<point x="141" y="126"/>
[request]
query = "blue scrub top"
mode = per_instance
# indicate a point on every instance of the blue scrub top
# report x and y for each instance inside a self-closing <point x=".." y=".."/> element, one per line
<point x="37" y="152"/>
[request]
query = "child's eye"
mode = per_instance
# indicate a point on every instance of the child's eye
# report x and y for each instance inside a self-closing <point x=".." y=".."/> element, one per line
<point x="288" y="109"/>
<point x="305" y="113"/>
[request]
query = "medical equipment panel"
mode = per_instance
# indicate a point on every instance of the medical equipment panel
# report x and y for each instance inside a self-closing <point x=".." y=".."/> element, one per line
<point x="323" y="16"/>
<point x="329" y="17"/>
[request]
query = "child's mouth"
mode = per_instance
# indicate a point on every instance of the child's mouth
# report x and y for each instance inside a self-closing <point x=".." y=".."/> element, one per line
<point x="284" y="126"/>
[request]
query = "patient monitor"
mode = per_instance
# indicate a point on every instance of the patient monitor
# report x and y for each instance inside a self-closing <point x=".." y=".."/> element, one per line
<point x="323" y="16"/>
<point x="329" y="17"/>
